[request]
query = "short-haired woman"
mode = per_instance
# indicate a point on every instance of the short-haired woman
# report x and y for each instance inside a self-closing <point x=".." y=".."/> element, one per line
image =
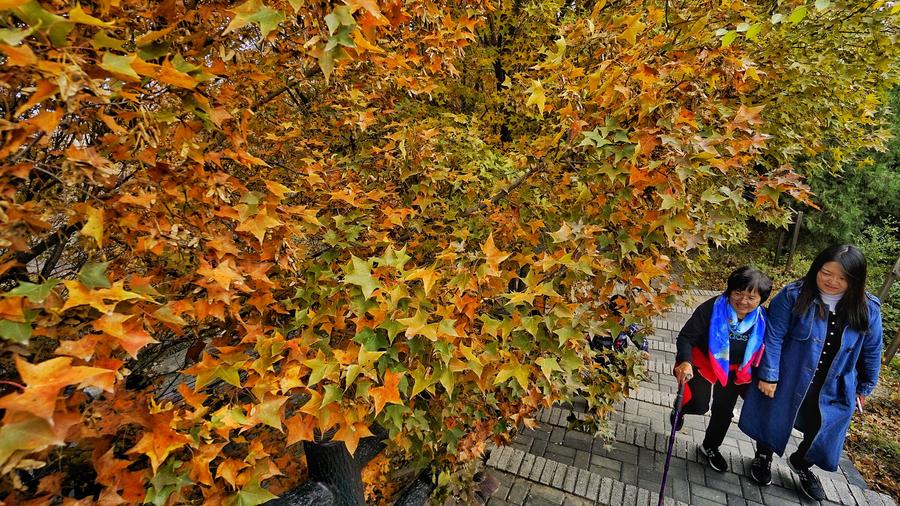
<point x="823" y="356"/>
<point x="721" y="343"/>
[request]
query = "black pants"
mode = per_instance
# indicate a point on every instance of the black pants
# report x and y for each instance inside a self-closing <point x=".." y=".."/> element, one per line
<point x="721" y="412"/>
<point x="810" y="420"/>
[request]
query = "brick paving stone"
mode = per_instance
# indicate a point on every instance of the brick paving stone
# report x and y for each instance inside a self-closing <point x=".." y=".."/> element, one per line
<point x="537" y="469"/>
<point x="546" y="477"/>
<point x="618" y="491"/>
<point x="581" y="482"/>
<point x="606" y="485"/>
<point x="533" y="500"/>
<point x="582" y="459"/>
<point x="710" y="494"/>
<point x="629" y="474"/>
<point x="593" y="487"/>
<point x="643" y="497"/>
<point x="571" y="479"/>
<point x="496" y="502"/>
<point x="844" y="494"/>
<point x="538" y="447"/>
<point x="750" y="490"/>
<point x="559" y="476"/>
<point x="629" y="498"/>
<point x="606" y="462"/>
<point x="548" y="494"/>
<point x="527" y="464"/>
<point x="557" y="434"/>
<point x="518" y="492"/>
<point x="735" y="500"/>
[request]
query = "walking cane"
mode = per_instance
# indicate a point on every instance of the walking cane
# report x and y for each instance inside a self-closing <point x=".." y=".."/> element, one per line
<point x="676" y="416"/>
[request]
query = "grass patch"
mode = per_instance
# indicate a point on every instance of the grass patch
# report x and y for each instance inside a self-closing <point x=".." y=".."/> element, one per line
<point x="872" y="443"/>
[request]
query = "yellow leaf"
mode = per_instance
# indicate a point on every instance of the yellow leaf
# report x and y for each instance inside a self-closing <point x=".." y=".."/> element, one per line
<point x="77" y="15"/>
<point x="537" y="97"/>
<point x="169" y="75"/>
<point x="94" y="225"/>
<point x="633" y="27"/>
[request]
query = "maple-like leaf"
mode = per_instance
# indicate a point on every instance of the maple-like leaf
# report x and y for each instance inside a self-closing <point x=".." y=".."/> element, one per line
<point x="494" y="256"/>
<point x="388" y="393"/>
<point x="536" y="96"/>
<point x="258" y="224"/>
<point x="224" y="274"/>
<point x="300" y="428"/>
<point x="44" y="381"/>
<point x="360" y="274"/>
<point x="159" y="440"/>
<point x="351" y="433"/>
<point x="269" y="411"/>
<point x="254" y="11"/>
<point x="93" y="226"/>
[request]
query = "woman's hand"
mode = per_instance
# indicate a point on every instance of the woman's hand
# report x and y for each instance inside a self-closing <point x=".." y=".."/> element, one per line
<point x="768" y="389"/>
<point x="860" y="402"/>
<point x="683" y="372"/>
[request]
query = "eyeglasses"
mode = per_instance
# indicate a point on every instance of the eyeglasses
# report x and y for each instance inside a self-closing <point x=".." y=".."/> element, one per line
<point x="752" y="298"/>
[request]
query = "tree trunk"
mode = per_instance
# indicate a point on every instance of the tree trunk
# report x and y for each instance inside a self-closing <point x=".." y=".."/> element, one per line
<point x="332" y="465"/>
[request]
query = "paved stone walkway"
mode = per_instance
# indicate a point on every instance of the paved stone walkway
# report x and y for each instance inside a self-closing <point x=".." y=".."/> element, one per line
<point x="555" y="466"/>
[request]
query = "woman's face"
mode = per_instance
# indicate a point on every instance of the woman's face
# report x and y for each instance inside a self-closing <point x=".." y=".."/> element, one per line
<point x="831" y="279"/>
<point x="744" y="301"/>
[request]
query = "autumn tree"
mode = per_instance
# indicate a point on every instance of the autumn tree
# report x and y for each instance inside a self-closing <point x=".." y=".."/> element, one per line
<point x="230" y="228"/>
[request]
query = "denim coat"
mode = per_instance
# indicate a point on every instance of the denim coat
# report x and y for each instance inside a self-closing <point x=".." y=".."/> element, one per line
<point x="793" y="345"/>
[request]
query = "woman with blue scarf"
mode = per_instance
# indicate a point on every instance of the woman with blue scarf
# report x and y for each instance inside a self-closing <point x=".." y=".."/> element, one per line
<point x="717" y="349"/>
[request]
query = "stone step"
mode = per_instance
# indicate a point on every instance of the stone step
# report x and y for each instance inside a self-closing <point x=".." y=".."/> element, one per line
<point x="637" y="456"/>
<point x="551" y="475"/>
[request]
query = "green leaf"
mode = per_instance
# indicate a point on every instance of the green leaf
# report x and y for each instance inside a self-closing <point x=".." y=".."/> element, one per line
<point x="253" y="11"/>
<point x="252" y="495"/>
<point x="754" y="30"/>
<point x="118" y="64"/>
<point x="742" y="27"/>
<point x="713" y="195"/>
<point x="339" y="17"/>
<point x="35" y="293"/>
<point x="56" y="27"/>
<point x="822" y="5"/>
<point x="165" y="482"/>
<point x="15" y="331"/>
<point x="728" y="38"/>
<point x="777" y="18"/>
<point x="93" y="275"/>
<point x="103" y="40"/>
<point x="797" y="15"/>
<point x="361" y="276"/>
<point x="548" y="365"/>
<point x="14" y="37"/>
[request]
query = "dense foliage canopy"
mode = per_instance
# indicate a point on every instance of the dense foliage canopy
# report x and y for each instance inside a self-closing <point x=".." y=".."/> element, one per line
<point x="226" y="227"/>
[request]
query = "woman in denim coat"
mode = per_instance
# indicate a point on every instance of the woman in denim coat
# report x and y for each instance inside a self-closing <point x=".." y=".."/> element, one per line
<point x="823" y="357"/>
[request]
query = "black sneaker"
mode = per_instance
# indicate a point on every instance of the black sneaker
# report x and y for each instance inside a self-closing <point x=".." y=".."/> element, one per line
<point x="714" y="458"/>
<point x="809" y="482"/>
<point x="761" y="469"/>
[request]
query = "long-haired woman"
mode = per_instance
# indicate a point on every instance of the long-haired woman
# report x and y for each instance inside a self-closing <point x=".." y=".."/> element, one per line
<point x="823" y="356"/>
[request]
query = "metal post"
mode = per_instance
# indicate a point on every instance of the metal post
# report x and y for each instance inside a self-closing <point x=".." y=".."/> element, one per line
<point x="892" y="349"/>
<point x="779" y="248"/>
<point x="889" y="280"/>
<point x="790" y="255"/>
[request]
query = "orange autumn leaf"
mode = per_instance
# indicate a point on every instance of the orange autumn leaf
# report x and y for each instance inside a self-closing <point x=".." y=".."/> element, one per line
<point x="300" y="428"/>
<point x="351" y="433"/>
<point x="44" y="380"/>
<point x="159" y="440"/>
<point x="389" y="393"/>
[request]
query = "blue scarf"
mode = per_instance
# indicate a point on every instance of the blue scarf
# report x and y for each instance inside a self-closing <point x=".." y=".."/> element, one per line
<point x="723" y="323"/>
